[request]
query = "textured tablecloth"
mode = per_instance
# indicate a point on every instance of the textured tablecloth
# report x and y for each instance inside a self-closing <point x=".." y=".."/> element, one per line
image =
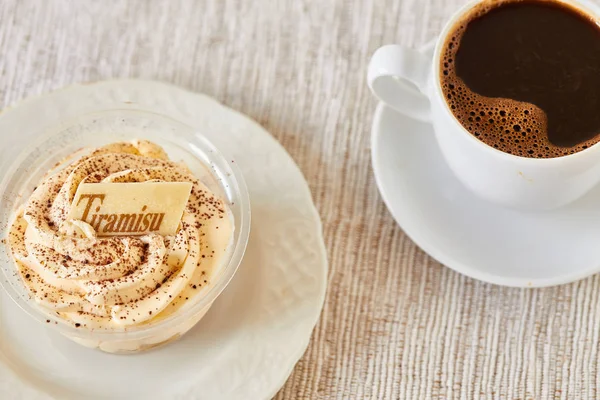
<point x="396" y="324"/>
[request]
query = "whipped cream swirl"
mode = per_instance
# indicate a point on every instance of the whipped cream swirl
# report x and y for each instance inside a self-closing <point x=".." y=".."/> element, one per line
<point x="117" y="282"/>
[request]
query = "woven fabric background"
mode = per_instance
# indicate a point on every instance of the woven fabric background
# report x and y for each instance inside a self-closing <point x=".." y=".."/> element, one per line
<point x="396" y="324"/>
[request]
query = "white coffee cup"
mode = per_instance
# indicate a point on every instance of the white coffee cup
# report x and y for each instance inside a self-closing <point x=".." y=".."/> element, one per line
<point x="409" y="82"/>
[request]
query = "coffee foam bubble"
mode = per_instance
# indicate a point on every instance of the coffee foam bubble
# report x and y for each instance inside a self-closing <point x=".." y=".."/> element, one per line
<point x="511" y="126"/>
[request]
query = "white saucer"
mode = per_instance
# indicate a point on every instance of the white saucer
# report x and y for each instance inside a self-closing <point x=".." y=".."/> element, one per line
<point x="470" y="235"/>
<point x="247" y="345"/>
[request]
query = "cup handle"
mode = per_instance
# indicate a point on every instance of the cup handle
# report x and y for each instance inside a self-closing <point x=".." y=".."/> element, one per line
<point x="398" y="77"/>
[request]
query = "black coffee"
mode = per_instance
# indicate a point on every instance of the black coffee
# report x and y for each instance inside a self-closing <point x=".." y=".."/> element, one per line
<point x="523" y="76"/>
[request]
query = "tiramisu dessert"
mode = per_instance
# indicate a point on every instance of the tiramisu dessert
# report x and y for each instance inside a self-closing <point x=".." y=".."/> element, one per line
<point x="120" y="238"/>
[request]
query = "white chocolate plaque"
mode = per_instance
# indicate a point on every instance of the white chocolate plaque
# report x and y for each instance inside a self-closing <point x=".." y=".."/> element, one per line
<point x="131" y="208"/>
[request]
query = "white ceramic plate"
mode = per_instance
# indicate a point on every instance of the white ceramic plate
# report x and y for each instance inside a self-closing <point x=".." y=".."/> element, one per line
<point x="247" y="345"/>
<point x="470" y="235"/>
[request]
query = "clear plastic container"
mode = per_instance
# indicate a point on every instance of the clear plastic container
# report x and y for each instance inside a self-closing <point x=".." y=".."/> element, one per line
<point x="182" y="143"/>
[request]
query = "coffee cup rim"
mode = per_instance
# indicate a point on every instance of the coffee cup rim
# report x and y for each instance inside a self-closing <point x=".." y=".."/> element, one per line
<point x="580" y="5"/>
